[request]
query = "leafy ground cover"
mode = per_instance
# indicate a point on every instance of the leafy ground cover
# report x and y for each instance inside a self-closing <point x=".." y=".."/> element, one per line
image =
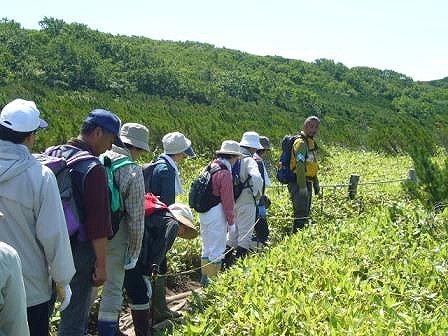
<point x="372" y="266"/>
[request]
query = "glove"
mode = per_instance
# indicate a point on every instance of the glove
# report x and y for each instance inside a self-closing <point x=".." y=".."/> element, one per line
<point x="303" y="192"/>
<point x="64" y="294"/>
<point x="231" y="228"/>
<point x="316" y="186"/>
<point x="130" y="262"/>
<point x="262" y="211"/>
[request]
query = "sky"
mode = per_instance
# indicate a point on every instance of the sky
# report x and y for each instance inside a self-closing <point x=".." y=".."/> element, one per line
<point x="407" y="36"/>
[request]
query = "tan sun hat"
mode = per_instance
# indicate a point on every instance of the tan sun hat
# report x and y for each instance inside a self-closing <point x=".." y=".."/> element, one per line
<point x="176" y="142"/>
<point x="229" y="147"/>
<point x="184" y="215"/>
<point x="136" y="135"/>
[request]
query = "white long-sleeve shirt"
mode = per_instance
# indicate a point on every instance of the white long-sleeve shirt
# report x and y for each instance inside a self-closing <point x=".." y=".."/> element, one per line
<point x="34" y="222"/>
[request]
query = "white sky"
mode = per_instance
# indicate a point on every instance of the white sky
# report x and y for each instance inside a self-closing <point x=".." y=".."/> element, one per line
<point x="407" y="36"/>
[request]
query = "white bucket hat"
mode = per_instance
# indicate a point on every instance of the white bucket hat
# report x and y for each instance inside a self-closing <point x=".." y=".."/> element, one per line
<point x="229" y="147"/>
<point x="252" y="140"/>
<point x="184" y="215"/>
<point x="135" y="135"/>
<point x="176" y="142"/>
<point x="21" y="116"/>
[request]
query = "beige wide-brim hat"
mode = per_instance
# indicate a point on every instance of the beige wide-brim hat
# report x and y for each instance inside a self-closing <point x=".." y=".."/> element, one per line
<point x="229" y="147"/>
<point x="176" y="142"/>
<point x="136" y="135"/>
<point x="184" y="215"/>
<point x="251" y="140"/>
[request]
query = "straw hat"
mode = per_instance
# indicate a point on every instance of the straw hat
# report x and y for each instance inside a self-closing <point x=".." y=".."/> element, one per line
<point x="229" y="147"/>
<point x="184" y="215"/>
<point x="252" y="140"/>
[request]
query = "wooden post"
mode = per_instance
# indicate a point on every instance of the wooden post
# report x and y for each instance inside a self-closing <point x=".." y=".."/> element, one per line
<point x="353" y="186"/>
<point x="412" y="176"/>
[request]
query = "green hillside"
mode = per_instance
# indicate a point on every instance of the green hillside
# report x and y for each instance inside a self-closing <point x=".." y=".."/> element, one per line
<point x="376" y="265"/>
<point x="209" y="93"/>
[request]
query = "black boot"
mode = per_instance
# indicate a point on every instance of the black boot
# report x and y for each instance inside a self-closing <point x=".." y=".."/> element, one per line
<point x="140" y="318"/>
<point x="229" y="258"/>
<point x="241" y="252"/>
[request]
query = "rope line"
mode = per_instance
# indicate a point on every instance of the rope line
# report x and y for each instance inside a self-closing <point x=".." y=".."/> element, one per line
<point x="328" y="186"/>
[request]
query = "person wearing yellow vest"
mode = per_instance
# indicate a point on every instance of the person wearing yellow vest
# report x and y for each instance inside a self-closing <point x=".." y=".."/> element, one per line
<point x="305" y="165"/>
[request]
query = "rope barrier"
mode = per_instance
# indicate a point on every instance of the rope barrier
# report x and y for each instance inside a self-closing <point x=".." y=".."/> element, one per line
<point x="333" y="186"/>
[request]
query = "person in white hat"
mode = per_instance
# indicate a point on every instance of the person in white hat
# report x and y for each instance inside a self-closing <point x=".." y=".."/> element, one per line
<point x="245" y="207"/>
<point x="219" y="219"/>
<point x="162" y="178"/>
<point x="173" y="221"/>
<point x="124" y="248"/>
<point x="34" y="223"/>
<point x="261" y="229"/>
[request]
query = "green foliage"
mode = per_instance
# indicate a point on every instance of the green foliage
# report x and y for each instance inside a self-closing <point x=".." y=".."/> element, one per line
<point x="431" y="188"/>
<point x="372" y="266"/>
<point x="181" y="85"/>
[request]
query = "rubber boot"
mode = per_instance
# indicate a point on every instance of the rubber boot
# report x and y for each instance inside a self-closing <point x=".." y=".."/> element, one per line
<point x="241" y="252"/>
<point x="214" y="270"/>
<point x="107" y="328"/>
<point x="204" y="272"/>
<point x="140" y="318"/>
<point x="229" y="258"/>
<point x="161" y="312"/>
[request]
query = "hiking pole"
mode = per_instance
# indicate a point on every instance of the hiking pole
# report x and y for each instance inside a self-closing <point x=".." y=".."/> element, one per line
<point x="154" y="274"/>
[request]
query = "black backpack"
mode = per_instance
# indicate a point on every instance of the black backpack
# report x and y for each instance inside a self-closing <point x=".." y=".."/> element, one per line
<point x="147" y="172"/>
<point x="201" y="197"/>
<point x="284" y="173"/>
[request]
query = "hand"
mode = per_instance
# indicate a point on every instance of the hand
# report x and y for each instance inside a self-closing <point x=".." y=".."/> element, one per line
<point x="64" y="294"/>
<point x="130" y="262"/>
<point x="231" y="228"/>
<point x="303" y="192"/>
<point x="99" y="276"/>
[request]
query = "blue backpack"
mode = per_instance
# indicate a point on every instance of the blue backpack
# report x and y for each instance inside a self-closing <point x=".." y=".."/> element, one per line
<point x="284" y="173"/>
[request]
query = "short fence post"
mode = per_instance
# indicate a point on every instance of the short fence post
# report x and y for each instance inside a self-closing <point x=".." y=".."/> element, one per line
<point x="353" y="186"/>
<point x="412" y="176"/>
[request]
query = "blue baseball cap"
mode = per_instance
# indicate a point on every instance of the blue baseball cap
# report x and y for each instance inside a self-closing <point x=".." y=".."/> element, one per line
<point x="108" y="121"/>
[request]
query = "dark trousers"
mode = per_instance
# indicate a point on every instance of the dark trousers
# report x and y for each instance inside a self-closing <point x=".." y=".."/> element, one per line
<point x="74" y="317"/>
<point x="301" y="205"/>
<point x="38" y="319"/>
<point x="160" y="232"/>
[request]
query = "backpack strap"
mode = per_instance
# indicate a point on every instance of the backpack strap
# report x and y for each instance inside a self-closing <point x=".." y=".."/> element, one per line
<point x="111" y="167"/>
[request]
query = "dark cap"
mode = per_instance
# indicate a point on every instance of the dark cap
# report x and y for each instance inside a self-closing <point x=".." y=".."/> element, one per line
<point x="108" y="121"/>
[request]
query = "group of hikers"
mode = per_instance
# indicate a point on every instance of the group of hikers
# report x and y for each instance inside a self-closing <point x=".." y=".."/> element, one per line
<point x="53" y="258"/>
